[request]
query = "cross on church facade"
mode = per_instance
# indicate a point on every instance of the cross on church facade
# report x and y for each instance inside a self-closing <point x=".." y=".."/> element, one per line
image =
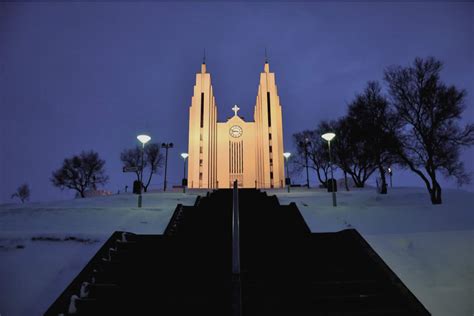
<point x="235" y="109"/>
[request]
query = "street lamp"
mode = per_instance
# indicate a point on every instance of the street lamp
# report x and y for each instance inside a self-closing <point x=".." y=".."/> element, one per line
<point x="166" y="146"/>
<point x="328" y="137"/>
<point x="306" y="143"/>
<point x="390" y="171"/>
<point x="185" y="156"/>
<point x="143" y="139"/>
<point x="287" y="180"/>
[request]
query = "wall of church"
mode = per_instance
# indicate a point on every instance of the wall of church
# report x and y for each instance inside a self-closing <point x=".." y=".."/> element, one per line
<point x="249" y="152"/>
<point x="236" y="154"/>
<point x="268" y="118"/>
<point x="202" y="166"/>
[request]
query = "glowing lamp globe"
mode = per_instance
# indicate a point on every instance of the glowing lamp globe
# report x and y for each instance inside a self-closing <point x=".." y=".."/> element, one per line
<point x="185" y="155"/>
<point x="143" y="138"/>
<point x="328" y="136"/>
<point x="286" y="155"/>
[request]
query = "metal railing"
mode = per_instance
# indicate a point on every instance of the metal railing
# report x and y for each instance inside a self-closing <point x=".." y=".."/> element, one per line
<point x="235" y="231"/>
<point x="236" y="281"/>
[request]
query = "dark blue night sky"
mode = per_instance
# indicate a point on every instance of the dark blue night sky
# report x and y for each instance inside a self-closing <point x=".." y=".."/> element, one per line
<point x="89" y="75"/>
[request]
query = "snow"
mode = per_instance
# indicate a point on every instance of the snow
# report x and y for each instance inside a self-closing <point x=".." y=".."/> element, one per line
<point x="430" y="247"/>
<point x="68" y="234"/>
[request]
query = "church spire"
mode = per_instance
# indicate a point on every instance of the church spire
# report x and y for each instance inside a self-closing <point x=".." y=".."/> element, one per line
<point x="267" y="66"/>
<point x="203" y="65"/>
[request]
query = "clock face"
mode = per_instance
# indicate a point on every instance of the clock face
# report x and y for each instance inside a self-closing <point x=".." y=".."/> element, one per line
<point x="235" y="131"/>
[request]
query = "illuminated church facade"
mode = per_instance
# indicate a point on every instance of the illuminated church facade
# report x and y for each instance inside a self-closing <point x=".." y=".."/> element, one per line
<point x="222" y="152"/>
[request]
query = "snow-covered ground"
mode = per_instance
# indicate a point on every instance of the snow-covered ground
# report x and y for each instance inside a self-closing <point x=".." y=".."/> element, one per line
<point x="44" y="245"/>
<point x="430" y="247"/>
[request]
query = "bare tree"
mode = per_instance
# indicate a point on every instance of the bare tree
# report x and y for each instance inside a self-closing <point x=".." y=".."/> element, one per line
<point x="340" y="146"/>
<point x="374" y="128"/>
<point x="318" y="156"/>
<point x="352" y="152"/>
<point x="22" y="193"/>
<point x="152" y="157"/>
<point x="429" y="110"/>
<point x="132" y="158"/>
<point x="80" y="173"/>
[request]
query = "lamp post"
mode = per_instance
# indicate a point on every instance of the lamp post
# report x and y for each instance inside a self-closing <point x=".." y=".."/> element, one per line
<point x="328" y="137"/>
<point x="143" y="139"/>
<point x="287" y="180"/>
<point x="185" y="156"/>
<point x="390" y="171"/>
<point x="166" y="146"/>
<point x="306" y="143"/>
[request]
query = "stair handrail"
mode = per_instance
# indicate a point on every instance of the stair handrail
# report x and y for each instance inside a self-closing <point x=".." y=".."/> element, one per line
<point x="236" y="281"/>
<point x="235" y="230"/>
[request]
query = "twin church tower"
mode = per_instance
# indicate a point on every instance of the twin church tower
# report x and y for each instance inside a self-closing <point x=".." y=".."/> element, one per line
<point x="222" y="152"/>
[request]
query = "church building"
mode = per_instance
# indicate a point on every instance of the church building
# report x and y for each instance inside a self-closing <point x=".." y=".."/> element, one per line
<point x="222" y="152"/>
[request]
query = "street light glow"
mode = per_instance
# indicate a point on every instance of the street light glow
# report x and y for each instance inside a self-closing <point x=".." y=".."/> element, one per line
<point x="287" y="155"/>
<point x="328" y="136"/>
<point x="143" y="139"/>
<point x="185" y="155"/>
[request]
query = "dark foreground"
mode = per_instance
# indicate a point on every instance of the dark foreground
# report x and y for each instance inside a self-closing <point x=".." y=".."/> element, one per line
<point x="285" y="269"/>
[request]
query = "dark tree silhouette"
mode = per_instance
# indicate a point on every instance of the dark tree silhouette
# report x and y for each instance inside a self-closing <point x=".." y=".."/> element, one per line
<point x="152" y="157"/>
<point x="132" y="158"/>
<point x="352" y="154"/>
<point x="318" y="157"/>
<point x="22" y="193"/>
<point x="373" y="127"/>
<point x="80" y="173"/>
<point x="340" y="146"/>
<point x="429" y="110"/>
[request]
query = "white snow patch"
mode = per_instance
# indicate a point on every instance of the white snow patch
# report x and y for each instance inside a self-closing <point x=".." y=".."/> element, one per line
<point x="43" y="246"/>
<point x="430" y="247"/>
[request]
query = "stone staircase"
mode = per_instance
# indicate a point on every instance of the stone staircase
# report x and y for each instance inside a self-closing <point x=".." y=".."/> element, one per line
<point x="285" y="269"/>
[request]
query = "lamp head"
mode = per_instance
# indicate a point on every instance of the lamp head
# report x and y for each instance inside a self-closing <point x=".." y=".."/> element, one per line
<point x="328" y="136"/>
<point x="287" y="155"/>
<point x="143" y="139"/>
<point x="185" y="155"/>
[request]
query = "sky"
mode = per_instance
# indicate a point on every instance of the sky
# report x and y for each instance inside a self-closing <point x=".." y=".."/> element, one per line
<point x="93" y="75"/>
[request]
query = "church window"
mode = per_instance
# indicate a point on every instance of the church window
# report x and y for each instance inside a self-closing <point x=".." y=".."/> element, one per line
<point x="200" y="162"/>
<point x="271" y="175"/>
<point x="271" y="161"/>
<point x="202" y="110"/>
<point x="200" y="150"/>
<point x="270" y="136"/>
<point x="268" y="110"/>
<point x="200" y="175"/>
<point x="270" y="148"/>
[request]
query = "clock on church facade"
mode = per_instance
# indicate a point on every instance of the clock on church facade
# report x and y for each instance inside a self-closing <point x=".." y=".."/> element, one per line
<point x="222" y="152"/>
<point x="235" y="131"/>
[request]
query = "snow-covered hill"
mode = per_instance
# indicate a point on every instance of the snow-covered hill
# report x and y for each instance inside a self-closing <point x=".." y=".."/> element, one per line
<point x="44" y="245"/>
<point x="430" y="247"/>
